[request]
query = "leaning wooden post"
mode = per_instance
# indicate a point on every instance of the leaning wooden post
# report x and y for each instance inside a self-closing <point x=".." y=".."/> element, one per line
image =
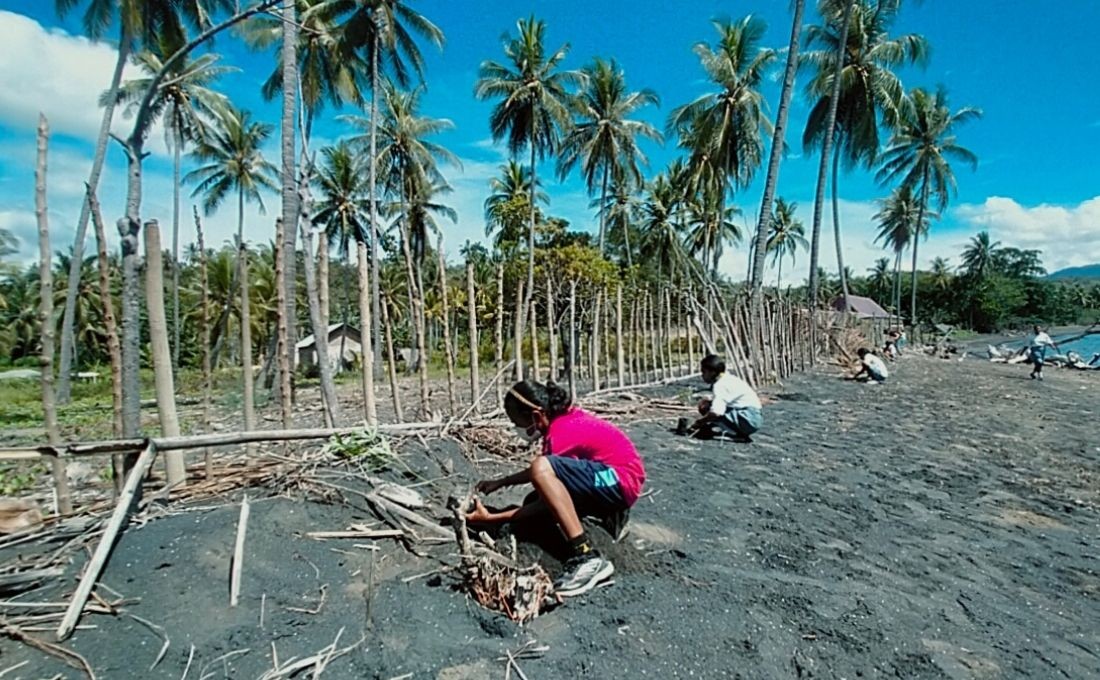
<point x="45" y="320"/>
<point x="103" y="550"/>
<point x="668" y="333"/>
<point x="517" y="328"/>
<point x="366" y="333"/>
<point x="238" y="555"/>
<point x="162" y="353"/>
<point x="551" y="322"/>
<point x="390" y="359"/>
<point x="448" y="347"/>
<point x="619" y="358"/>
<point x="573" y="339"/>
<point x="499" y="337"/>
<point x="594" y="343"/>
<point x="471" y="310"/>
<point x="632" y="365"/>
<point x="535" y="363"/>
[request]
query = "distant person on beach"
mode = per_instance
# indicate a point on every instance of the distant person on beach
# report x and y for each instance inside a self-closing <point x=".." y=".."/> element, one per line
<point x="588" y="467"/>
<point x="890" y="348"/>
<point x="1037" y="351"/>
<point x="734" y="410"/>
<point x="872" y="368"/>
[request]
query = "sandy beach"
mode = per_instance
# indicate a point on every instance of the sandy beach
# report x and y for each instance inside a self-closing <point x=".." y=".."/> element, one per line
<point x="944" y="525"/>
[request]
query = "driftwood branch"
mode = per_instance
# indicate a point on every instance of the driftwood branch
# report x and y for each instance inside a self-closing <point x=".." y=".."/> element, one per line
<point x="238" y="555"/>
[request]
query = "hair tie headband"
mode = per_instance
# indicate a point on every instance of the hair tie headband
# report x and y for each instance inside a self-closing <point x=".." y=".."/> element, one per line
<point x="524" y="400"/>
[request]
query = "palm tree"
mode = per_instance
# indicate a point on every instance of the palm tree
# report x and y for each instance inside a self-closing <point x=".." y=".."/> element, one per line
<point x="661" y="242"/>
<point x="725" y="129"/>
<point x="182" y="104"/>
<point x="139" y="22"/>
<point x="343" y="208"/>
<point x="764" y="223"/>
<point x="852" y="93"/>
<point x="409" y="162"/>
<point x="980" y="255"/>
<point x="509" y="190"/>
<point x="786" y="236"/>
<point x="533" y="112"/>
<point x="233" y="161"/>
<point x="707" y="233"/>
<point x="941" y="274"/>
<point x="920" y="152"/>
<point x="385" y="31"/>
<point x="619" y="210"/>
<point x="881" y="277"/>
<point x="898" y="219"/>
<point x="603" y="139"/>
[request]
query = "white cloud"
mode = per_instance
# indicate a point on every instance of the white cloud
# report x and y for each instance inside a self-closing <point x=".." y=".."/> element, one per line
<point x="858" y="231"/>
<point x="58" y="74"/>
<point x="1067" y="235"/>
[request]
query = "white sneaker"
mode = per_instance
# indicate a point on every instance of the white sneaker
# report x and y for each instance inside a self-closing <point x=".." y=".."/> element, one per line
<point x="583" y="573"/>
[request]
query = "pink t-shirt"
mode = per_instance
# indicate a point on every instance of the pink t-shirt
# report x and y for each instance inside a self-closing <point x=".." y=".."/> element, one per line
<point x="579" y="434"/>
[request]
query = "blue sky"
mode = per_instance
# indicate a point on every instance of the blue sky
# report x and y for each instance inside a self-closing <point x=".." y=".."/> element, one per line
<point x="1033" y="73"/>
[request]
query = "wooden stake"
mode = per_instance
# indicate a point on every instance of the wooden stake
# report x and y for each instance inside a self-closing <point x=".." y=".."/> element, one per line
<point x="204" y="335"/>
<point x="45" y="319"/>
<point x="103" y="549"/>
<point x="448" y="347"/>
<point x="471" y="311"/>
<point x="517" y="328"/>
<point x="499" y="339"/>
<point x="535" y="367"/>
<point x="573" y="339"/>
<point x="391" y="360"/>
<point x="620" y="360"/>
<point x="238" y="555"/>
<point x="551" y="323"/>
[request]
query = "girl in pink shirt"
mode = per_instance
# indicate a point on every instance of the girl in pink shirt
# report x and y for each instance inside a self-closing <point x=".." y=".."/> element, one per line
<point x="588" y="467"/>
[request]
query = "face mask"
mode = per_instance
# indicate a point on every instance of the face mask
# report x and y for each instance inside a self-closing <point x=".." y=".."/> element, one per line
<point x="525" y="433"/>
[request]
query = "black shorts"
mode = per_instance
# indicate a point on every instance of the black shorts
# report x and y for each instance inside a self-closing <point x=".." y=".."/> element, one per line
<point x="594" y="487"/>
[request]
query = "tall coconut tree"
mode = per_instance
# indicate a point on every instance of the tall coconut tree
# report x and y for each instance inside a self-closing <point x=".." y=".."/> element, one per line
<point x="386" y="33"/>
<point x="507" y="191"/>
<point x="139" y="22"/>
<point x="708" y="230"/>
<point x="603" y="140"/>
<point x="900" y="221"/>
<point x="661" y="239"/>
<point x="409" y="161"/>
<point x="182" y="104"/>
<point x="786" y="236"/>
<point x="920" y="154"/>
<point x="854" y="89"/>
<point x="343" y="206"/>
<point x="619" y="211"/>
<point x="880" y="279"/>
<point x="771" y="179"/>
<point x="980" y="255"/>
<point x="532" y="112"/>
<point x="232" y="161"/>
<point x="725" y="128"/>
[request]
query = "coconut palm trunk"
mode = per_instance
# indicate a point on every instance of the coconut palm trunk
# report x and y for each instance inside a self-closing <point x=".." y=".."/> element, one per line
<point x="603" y="213"/>
<point x="45" y="319"/>
<point x="448" y="352"/>
<point x="178" y="142"/>
<point x="916" y="241"/>
<point x="204" y="335"/>
<point x="776" y="155"/>
<point x="366" y="325"/>
<point x="323" y="280"/>
<point x="320" y="333"/>
<point x="391" y="362"/>
<point x="375" y="294"/>
<point x="69" y="315"/>
<point x="162" y="356"/>
<point x="286" y="229"/>
<point x="416" y="300"/>
<point x="247" y="383"/>
<point x="822" y="170"/>
<point x="836" y="227"/>
<point x="111" y="330"/>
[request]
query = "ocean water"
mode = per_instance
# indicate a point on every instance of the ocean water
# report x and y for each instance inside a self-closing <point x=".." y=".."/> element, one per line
<point x="1086" y="346"/>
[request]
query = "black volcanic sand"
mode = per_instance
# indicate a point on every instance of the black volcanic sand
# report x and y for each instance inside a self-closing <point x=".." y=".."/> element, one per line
<point x="945" y="525"/>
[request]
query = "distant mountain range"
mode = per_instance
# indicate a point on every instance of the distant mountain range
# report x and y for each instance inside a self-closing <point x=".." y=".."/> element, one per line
<point x="1089" y="271"/>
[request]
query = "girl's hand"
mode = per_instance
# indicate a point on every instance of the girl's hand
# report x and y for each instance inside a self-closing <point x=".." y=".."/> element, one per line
<point x="479" y="513"/>
<point x="487" y="486"/>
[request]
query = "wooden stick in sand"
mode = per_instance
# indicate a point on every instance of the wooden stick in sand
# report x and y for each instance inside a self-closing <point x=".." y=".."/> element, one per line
<point x="238" y="555"/>
<point x="103" y="550"/>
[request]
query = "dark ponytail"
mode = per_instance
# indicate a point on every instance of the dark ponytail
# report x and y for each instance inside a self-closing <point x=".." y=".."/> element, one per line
<point x="528" y="395"/>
